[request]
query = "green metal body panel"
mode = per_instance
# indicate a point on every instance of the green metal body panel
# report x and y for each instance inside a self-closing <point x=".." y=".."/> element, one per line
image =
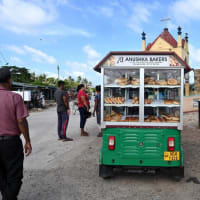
<point x="140" y="147"/>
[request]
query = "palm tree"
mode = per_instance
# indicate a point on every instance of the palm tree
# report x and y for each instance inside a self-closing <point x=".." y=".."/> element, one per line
<point x="79" y="79"/>
<point x="85" y="82"/>
<point x="89" y="84"/>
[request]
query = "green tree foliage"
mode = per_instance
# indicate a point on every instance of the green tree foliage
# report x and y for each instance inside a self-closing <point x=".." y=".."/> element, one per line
<point x="19" y="74"/>
<point x="79" y="79"/>
<point x="23" y="75"/>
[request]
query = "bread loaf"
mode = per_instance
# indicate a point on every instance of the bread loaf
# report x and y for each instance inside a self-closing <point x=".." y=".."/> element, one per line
<point x="135" y="82"/>
<point x="148" y="101"/>
<point x="135" y="100"/>
<point x="172" y="81"/>
<point x="171" y="102"/>
<point x="161" y="82"/>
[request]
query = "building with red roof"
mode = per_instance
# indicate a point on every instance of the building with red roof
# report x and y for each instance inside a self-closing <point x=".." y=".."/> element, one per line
<point x="165" y="42"/>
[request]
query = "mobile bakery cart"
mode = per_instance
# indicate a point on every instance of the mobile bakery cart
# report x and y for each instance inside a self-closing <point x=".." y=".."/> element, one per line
<point x="142" y="111"/>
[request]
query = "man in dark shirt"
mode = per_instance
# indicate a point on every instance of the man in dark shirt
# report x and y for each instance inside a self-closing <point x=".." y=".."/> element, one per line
<point x="63" y="111"/>
<point x="13" y="122"/>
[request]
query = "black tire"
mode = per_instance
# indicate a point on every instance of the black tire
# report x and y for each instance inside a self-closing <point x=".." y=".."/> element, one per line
<point x="105" y="171"/>
<point x="177" y="173"/>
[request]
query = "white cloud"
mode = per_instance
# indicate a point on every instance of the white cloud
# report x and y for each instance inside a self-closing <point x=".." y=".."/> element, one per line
<point x="185" y="10"/>
<point x="91" y="53"/>
<point x="40" y="56"/>
<point x="51" y="74"/>
<point x="22" y="16"/>
<point x="35" y="17"/>
<point x="16" y="49"/>
<point x="141" y="13"/>
<point x="63" y="30"/>
<point x="77" y="65"/>
<point x="62" y="2"/>
<point x="132" y="14"/>
<point x="76" y="74"/>
<point x="37" y="55"/>
<point x="194" y="56"/>
<point x="85" y="69"/>
<point x="107" y="11"/>
<point x="15" y="60"/>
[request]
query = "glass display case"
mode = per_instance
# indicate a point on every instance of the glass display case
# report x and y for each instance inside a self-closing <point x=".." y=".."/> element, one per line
<point x="142" y="96"/>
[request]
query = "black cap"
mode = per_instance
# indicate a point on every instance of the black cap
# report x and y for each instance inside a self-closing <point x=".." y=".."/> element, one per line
<point x="186" y="37"/>
<point x="5" y="75"/>
<point x="179" y="30"/>
<point x="143" y="36"/>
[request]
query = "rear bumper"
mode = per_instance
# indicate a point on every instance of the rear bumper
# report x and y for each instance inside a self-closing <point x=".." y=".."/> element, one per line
<point x="143" y="158"/>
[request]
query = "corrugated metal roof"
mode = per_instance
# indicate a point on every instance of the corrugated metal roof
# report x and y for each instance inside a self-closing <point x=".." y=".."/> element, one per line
<point x="32" y="85"/>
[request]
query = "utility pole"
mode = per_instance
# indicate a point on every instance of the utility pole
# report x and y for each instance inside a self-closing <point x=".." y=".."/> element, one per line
<point x="58" y="68"/>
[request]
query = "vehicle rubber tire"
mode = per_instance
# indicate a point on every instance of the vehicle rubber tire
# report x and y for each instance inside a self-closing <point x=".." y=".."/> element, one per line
<point x="105" y="171"/>
<point x="177" y="173"/>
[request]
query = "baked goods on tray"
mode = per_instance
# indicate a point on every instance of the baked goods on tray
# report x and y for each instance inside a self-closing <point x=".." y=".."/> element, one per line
<point x="135" y="100"/>
<point x="152" y="81"/>
<point x="172" y="81"/>
<point x="169" y="118"/>
<point x="152" y="118"/>
<point x="149" y="81"/>
<point x="113" y="117"/>
<point x="114" y="100"/>
<point x="135" y="82"/>
<point x="122" y="81"/>
<point x="163" y="118"/>
<point x="148" y="101"/>
<point x="131" y="119"/>
<point x="161" y="82"/>
<point x="171" y="102"/>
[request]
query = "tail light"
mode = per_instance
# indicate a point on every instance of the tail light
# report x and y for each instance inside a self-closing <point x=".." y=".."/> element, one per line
<point x="111" y="142"/>
<point x="171" y="143"/>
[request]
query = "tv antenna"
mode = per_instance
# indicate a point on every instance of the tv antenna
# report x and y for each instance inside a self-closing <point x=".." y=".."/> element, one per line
<point x="165" y="21"/>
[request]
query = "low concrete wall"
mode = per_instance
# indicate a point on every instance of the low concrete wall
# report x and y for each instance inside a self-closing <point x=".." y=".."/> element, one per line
<point x="190" y="103"/>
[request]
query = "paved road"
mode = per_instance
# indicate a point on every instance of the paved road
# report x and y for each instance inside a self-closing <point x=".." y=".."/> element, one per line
<point x="69" y="171"/>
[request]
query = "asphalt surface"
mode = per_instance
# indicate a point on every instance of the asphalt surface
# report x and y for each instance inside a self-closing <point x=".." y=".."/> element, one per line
<point x="69" y="170"/>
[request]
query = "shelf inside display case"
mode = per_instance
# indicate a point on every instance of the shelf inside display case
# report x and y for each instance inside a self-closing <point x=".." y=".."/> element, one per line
<point x="161" y="103"/>
<point x="121" y="86"/>
<point x="127" y="103"/>
<point x="162" y="86"/>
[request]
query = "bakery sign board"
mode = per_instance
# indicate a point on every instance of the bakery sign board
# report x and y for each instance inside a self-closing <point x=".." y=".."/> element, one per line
<point x="142" y="61"/>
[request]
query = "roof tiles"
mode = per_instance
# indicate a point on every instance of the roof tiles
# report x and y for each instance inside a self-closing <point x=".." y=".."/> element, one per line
<point x="165" y="35"/>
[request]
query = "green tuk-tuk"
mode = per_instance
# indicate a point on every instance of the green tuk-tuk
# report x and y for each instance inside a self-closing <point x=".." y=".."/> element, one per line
<point x="142" y="111"/>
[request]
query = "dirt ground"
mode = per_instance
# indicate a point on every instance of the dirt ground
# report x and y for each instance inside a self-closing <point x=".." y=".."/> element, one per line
<point x="69" y="171"/>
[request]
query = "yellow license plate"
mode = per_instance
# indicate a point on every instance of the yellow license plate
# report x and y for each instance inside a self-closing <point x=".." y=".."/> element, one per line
<point x="171" y="155"/>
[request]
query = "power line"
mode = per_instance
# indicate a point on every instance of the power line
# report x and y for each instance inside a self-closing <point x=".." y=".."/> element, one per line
<point x="2" y="55"/>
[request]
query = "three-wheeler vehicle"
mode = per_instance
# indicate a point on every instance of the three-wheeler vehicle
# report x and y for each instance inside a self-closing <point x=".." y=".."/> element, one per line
<point x="142" y="111"/>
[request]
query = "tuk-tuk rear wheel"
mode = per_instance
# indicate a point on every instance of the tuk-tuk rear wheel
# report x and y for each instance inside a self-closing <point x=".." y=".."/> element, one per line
<point x="105" y="171"/>
<point x="177" y="173"/>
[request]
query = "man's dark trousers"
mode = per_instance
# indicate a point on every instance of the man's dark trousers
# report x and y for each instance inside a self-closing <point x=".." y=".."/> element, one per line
<point x="63" y="120"/>
<point x="11" y="167"/>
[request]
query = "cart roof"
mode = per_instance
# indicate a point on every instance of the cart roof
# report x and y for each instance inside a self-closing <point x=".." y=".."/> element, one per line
<point x="142" y="53"/>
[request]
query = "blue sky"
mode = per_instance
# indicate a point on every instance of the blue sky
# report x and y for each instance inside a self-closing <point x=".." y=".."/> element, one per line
<point x="76" y="34"/>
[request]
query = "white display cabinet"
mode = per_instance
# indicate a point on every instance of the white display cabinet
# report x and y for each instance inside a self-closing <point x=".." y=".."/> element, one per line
<point x="142" y="96"/>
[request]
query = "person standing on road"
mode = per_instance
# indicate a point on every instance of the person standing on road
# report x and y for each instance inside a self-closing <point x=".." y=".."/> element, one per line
<point x="63" y="111"/>
<point x="83" y="106"/>
<point x="13" y="114"/>
<point x="97" y="108"/>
